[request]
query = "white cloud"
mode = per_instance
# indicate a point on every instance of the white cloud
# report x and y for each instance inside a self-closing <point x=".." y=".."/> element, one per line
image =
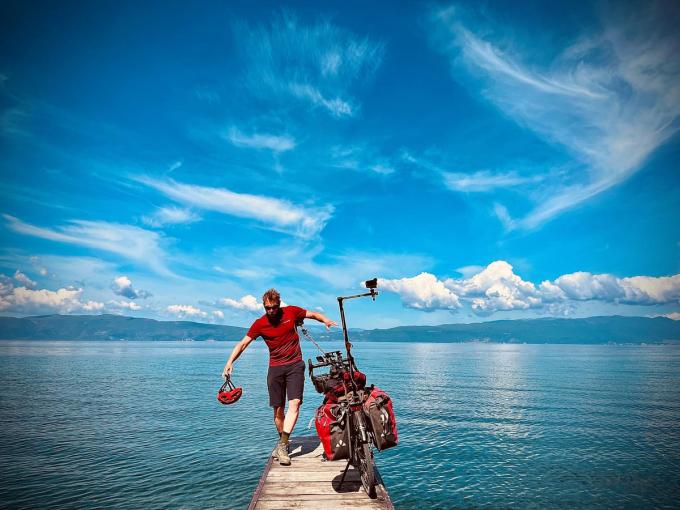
<point x="24" y="280"/>
<point x="637" y="290"/>
<point x="422" y="292"/>
<point x="217" y="314"/>
<point x="124" y="305"/>
<point x="122" y="286"/>
<point x="277" y="214"/>
<point x="468" y="271"/>
<point x="360" y="157"/>
<point x="316" y="64"/>
<point x="127" y="241"/>
<point x="383" y="169"/>
<point x="33" y="301"/>
<point x="610" y="99"/>
<point x="247" y="303"/>
<point x="497" y="288"/>
<point x="275" y="143"/>
<point x="301" y="259"/>
<point x="171" y="215"/>
<point x="484" y="181"/>
<point x="183" y="311"/>
<point x="504" y="216"/>
<point x="336" y="106"/>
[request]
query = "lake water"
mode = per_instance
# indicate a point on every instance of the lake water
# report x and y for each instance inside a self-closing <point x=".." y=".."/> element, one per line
<point x="137" y="425"/>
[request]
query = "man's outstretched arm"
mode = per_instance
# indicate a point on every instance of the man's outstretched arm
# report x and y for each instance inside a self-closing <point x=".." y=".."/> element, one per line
<point x="321" y="318"/>
<point x="235" y="353"/>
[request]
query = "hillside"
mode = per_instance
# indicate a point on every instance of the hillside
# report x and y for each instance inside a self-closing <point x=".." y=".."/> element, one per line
<point x="591" y="330"/>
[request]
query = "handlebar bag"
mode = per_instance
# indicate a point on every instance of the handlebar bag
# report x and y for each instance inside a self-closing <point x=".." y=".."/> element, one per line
<point x="380" y="413"/>
<point x="332" y="431"/>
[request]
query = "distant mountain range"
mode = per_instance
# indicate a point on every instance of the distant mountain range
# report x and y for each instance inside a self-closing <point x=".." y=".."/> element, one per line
<point x="591" y="330"/>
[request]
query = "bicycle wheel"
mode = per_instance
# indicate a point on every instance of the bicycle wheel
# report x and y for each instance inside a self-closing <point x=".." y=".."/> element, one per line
<point x="366" y="468"/>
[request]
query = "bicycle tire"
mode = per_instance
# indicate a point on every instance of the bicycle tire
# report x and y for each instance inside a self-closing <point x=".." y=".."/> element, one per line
<point x="366" y="469"/>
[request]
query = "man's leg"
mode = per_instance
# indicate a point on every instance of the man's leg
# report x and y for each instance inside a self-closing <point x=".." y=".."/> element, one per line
<point x="279" y="417"/>
<point x="291" y="416"/>
<point x="295" y="385"/>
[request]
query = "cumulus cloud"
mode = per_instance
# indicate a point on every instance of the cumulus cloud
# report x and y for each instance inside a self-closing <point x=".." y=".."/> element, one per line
<point x="124" y="305"/>
<point x="122" y="286"/>
<point x="183" y="311"/>
<point x="31" y="301"/>
<point x="498" y="288"/>
<point x="422" y="292"/>
<point x="276" y="214"/>
<point x="637" y="290"/>
<point x="248" y="303"/>
<point x="317" y="64"/>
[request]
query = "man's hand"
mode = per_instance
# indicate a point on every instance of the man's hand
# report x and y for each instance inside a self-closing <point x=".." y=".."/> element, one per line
<point x="228" y="369"/>
<point x="329" y="323"/>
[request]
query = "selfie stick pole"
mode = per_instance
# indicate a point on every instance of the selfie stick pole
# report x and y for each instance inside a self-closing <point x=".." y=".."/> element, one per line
<point x="348" y="346"/>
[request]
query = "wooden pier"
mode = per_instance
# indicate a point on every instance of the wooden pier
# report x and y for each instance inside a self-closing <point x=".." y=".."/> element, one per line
<point x="313" y="483"/>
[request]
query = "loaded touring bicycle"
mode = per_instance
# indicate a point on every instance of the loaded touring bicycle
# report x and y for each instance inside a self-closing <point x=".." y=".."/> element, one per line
<point x="353" y="417"/>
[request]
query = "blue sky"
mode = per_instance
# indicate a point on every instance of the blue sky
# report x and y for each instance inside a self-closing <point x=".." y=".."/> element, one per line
<point x="484" y="160"/>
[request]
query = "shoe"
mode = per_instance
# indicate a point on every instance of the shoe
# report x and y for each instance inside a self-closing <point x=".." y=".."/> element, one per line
<point x="281" y="453"/>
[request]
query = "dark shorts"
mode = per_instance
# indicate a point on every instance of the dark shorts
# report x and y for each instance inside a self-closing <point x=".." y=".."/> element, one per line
<point x="284" y="379"/>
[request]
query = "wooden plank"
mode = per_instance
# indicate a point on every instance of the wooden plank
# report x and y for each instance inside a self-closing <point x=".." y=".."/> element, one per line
<point x="264" y="496"/>
<point x="310" y="482"/>
<point x="261" y="483"/>
<point x="310" y="476"/>
<point x="285" y="504"/>
<point x="285" y="488"/>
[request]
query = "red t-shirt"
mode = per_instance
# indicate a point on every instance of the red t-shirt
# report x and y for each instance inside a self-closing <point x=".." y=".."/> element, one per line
<point x="281" y="337"/>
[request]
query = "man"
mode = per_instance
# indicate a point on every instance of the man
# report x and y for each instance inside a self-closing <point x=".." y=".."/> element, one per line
<point x="286" y="367"/>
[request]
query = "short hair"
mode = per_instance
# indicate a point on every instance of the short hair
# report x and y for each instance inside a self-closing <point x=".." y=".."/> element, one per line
<point x="272" y="295"/>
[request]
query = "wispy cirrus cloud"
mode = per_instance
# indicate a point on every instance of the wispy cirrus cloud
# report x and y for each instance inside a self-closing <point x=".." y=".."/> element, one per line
<point x="274" y="213"/>
<point x="127" y="241"/>
<point x="306" y="262"/>
<point x="481" y="181"/>
<point x="171" y="215"/>
<point x="485" y="180"/>
<point x="275" y="143"/>
<point x="317" y="64"/>
<point x="362" y="158"/>
<point x="610" y="98"/>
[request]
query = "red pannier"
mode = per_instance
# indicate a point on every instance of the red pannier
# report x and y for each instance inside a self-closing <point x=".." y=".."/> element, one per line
<point x="331" y="431"/>
<point x="380" y="413"/>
